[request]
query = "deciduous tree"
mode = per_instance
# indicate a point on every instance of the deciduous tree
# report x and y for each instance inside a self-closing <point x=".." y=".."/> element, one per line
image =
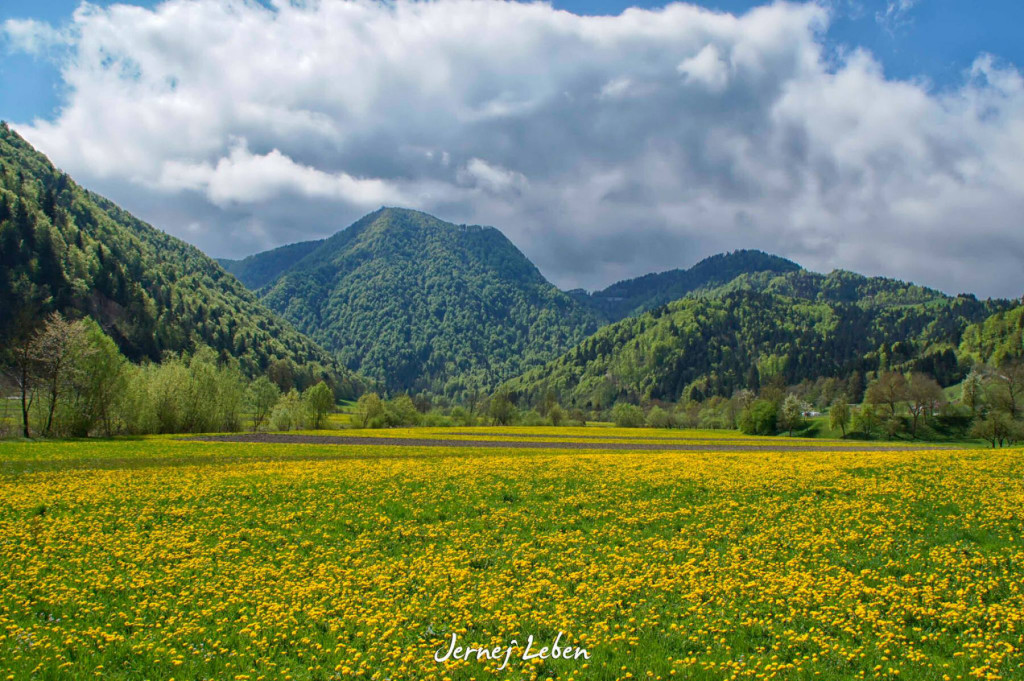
<point x="262" y="395"/>
<point x="889" y="389"/>
<point x="923" y="395"/>
<point x="839" y="414"/>
<point x="320" y="401"/>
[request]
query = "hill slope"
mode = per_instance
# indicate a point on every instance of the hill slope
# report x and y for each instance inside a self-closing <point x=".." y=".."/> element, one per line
<point x="796" y="325"/>
<point x="422" y="304"/>
<point x="634" y="296"/>
<point x="64" y="248"/>
<point x="998" y="338"/>
<point x="261" y="269"/>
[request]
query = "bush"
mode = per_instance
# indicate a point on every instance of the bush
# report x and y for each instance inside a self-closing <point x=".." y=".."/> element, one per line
<point x="578" y="417"/>
<point x="556" y="416"/>
<point x="369" y="409"/>
<point x="759" y="418"/>
<point x="290" y="412"/>
<point x="532" y="418"/>
<point x="437" y="419"/>
<point x="712" y="418"/>
<point x="658" y="418"/>
<point x="627" y="415"/>
<point x="402" y="412"/>
<point x="461" y="417"/>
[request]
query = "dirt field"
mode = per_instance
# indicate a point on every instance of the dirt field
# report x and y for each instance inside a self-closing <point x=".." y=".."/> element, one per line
<point x="705" y="445"/>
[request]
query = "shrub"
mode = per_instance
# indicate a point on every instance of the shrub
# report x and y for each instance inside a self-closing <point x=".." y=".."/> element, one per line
<point x="658" y="418"/>
<point x="401" y="412"/>
<point x="759" y="418"/>
<point x="369" y="409"/>
<point x="437" y="419"/>
<point x="627" y="415"/>
<point x="556" y="416"/>
<point x="290" y="412"/>
<point x="461" y="417"/>
<point x="532" y="418"/>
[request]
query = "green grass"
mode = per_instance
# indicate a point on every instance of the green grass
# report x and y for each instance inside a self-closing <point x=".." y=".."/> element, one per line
<point x="156" y="558"/>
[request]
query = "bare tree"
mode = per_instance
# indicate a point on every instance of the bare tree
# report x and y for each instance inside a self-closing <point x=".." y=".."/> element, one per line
<point x="19" y="362"/>
<point x="923" y="394"/>
<point x="58" y="348"/>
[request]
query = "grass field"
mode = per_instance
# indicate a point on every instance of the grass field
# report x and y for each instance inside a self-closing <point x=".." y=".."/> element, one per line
<point x="159" y="558"/>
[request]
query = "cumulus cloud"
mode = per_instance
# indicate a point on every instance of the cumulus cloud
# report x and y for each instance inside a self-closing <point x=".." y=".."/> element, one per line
<point x="706" y="68"/>
<point x="604" y="147"/>
<point x="33" y="37"/>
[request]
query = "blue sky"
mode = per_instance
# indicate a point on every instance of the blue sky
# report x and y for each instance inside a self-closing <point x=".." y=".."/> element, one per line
<point x="934" y="39"/>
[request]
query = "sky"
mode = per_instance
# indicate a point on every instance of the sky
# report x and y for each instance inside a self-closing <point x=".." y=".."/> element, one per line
<point x="605" y="140"/>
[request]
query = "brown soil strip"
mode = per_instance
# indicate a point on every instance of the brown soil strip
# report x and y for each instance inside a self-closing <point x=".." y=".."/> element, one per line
<point x="682" y="439"/>
<point x="717" y="446"/>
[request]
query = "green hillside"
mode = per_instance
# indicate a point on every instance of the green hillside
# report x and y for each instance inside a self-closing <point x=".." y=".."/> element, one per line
<point x="997" y="338"/>
<point x="66" y="249"/>
<point x="794" y="326"/>
<point x="261" y="269"/>
<point x="421" y="304"/>
<point x="634" y="296"/>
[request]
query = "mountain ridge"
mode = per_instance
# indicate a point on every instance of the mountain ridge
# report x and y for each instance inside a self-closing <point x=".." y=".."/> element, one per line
<point x="629" y="297"/>
<point x="64" y="248"/>
<point x="763" y="326"/>
<point x="262" y="268"/>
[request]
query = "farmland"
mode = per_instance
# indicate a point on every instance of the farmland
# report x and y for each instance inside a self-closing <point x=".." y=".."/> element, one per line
<point x="163" y="558"/>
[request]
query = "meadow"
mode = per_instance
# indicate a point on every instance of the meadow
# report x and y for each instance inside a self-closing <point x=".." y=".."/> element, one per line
<point x="160" y="558"/>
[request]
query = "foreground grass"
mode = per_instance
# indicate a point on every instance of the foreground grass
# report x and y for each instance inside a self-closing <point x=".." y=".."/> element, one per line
<point x="158" y="559"/>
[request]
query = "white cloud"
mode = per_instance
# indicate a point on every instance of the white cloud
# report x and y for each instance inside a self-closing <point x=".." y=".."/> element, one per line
<point x="32" y="37"/>
<point x="706" y="68"/>
<point x="491" y="178"/>
<point x="603" y="146"/>
<point x="242" y="177"/>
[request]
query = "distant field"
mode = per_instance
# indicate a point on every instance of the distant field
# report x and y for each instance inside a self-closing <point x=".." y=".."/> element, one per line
<point x="160" y="558"/>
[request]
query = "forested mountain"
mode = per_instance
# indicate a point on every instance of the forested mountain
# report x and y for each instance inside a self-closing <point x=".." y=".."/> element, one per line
<point x="633" y="296"/>
<point x="261" y="269"/>
<point x="758" y="327"/>
<point x="422" y="304"/>
<point x="998" y="338"/>
<point x="65" y="249"/>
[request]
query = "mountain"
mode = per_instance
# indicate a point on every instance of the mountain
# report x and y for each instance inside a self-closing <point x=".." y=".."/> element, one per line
<point x="634" y="296"/>
<point x="796" y="325"/>
<point x="261" y="269"/>
<point x="422" y="304"/>
<point x="63" y="248"/>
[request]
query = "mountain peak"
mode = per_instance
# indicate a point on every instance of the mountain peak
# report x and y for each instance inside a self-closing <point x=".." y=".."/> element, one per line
<point x="417" y="303"/>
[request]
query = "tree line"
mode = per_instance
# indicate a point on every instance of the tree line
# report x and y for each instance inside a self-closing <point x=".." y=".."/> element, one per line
<point x="69" y="379"/>
<point x="891" y="404"/>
